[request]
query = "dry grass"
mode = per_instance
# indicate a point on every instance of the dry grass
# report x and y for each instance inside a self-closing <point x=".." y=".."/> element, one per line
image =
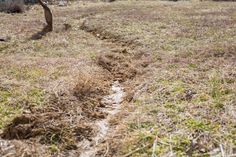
<point x="180" y="55"/>
<point x="39" y="79"/>
<point x="188" y="103"/>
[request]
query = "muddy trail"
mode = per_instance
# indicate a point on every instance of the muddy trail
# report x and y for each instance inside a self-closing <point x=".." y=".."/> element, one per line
<point x="79" y="122"/>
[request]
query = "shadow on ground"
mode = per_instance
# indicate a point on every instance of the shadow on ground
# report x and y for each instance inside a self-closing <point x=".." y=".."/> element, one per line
<point x="40" y="34"/>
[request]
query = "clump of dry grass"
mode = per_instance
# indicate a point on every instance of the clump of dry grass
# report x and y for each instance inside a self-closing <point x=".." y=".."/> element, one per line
<point x="90" y="89"/>
<point x="90" y="86"/>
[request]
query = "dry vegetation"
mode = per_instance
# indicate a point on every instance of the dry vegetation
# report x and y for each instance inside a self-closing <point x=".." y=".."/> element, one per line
<point x="176" y="61"/>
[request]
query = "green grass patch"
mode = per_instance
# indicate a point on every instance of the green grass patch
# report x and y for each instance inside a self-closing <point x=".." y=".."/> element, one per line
<point x="7" y="113"/>
<point x="3" y="47"/>
<point x="200" y="125"/>
<point x="13" y="101"/>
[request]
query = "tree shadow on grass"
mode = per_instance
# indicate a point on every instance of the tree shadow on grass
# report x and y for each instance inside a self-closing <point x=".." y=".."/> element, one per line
<point x="40" y="34"/>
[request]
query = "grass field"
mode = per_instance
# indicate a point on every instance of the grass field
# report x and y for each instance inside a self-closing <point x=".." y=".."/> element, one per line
<point x="175" y="60"/>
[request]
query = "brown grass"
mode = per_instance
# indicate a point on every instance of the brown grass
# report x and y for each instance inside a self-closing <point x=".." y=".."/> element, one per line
<point x="175" y="60"/>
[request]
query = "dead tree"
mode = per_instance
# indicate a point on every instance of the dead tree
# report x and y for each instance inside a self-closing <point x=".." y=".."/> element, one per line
<point x="48" y="15"/>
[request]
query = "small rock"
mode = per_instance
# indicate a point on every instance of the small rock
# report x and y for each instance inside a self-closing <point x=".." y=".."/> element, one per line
<point x="62" y="3"/>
